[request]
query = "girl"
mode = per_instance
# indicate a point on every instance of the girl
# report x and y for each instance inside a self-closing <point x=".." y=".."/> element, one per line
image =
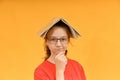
<point x="56" y="65"/>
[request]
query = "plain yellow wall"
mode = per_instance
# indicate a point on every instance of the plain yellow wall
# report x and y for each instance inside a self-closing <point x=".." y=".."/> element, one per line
<point x="98" y="49"/>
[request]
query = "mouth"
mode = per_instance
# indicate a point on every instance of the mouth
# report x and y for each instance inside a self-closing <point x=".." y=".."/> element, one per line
<point x="59" y="50"/>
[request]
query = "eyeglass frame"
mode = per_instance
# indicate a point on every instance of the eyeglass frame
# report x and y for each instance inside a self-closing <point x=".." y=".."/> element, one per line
<point x="54" y="40"/>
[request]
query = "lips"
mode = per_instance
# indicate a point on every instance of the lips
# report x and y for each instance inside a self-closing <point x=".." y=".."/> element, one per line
<point x="59" y="50"/>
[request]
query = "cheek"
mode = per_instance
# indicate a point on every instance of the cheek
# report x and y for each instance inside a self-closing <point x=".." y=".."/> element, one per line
<point x="49" y="46"/>
<point x="65" y="46"/>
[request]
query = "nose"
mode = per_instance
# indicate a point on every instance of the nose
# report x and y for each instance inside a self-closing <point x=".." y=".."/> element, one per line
<point x="58" y="43"/>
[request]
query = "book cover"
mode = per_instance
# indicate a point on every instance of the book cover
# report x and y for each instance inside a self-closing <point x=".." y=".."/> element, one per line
<point x="75" y="33"/>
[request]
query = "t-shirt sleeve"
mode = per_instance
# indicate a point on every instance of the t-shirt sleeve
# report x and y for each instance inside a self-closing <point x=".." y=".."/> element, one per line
<point x="40" y="75"/>
<point x="82" y="71"/>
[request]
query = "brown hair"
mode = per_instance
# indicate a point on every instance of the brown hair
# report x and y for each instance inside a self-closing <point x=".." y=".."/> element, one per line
<point x="59" y="24"/>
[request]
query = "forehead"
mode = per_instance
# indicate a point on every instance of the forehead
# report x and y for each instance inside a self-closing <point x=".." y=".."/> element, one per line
<point x="57" y="32"/>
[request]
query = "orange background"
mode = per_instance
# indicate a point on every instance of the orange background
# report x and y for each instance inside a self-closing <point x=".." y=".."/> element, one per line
<point x="98" y="50"/>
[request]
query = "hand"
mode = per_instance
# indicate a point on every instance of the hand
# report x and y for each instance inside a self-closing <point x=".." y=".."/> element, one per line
<point x="60" y="61"/>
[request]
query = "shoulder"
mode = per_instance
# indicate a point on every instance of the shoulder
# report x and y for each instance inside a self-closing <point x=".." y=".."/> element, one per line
<point x="77" y="68"/>
<point x="40" y="67"/>
<point x="44" y="65"/>
<point x="39" y="71"/>
<point x="43" y="70"/>
<point x="75" y="64"/>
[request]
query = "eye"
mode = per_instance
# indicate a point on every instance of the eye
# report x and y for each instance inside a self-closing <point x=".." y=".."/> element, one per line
<point x="53" y="39"/>
<point x="63" y="39"/>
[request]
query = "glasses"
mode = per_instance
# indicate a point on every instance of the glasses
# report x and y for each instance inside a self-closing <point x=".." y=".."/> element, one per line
<point x="55" y="40"/>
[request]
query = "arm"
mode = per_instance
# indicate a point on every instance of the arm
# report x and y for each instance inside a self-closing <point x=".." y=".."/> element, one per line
<point x="60" y="61"/>
<point x="59" y="75"/>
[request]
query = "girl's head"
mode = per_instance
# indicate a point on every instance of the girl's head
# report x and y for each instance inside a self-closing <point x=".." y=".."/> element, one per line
<point x="57" y="36"/>
<point x="57" y="39"/>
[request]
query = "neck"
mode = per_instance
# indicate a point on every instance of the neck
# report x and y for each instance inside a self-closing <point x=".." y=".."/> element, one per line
<point x="51" y="58"/>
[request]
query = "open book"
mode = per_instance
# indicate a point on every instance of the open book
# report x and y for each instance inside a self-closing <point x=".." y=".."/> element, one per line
<point x="75" y="33"/>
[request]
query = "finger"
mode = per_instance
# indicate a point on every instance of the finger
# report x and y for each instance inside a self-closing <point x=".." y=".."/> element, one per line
<point x="61" y="53"/>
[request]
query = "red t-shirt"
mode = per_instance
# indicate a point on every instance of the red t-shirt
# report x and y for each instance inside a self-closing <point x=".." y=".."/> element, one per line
<point x="46" y="71"/>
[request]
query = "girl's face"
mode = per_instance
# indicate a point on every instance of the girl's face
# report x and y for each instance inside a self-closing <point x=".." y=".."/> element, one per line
<point x="57" y="40"/>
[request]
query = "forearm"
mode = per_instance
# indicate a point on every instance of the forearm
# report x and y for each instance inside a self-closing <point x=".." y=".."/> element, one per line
<point x="59" y="75"/>
<point x="60" y="61"/>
